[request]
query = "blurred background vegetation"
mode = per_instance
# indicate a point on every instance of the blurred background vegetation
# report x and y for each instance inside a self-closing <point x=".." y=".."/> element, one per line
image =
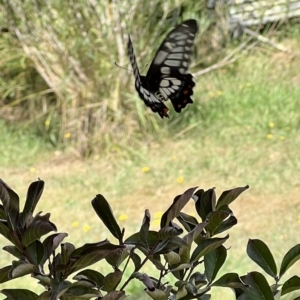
<point x="73" y="118"/>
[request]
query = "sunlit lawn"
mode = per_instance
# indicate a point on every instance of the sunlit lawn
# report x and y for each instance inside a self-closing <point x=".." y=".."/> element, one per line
<point x="247" y="133"/>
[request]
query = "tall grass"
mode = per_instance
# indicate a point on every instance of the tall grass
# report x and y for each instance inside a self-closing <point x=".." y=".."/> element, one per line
<point x="58" y="67"/>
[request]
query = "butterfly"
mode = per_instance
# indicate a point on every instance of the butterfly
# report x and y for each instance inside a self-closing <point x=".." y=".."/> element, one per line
<point x="167" y="77"/>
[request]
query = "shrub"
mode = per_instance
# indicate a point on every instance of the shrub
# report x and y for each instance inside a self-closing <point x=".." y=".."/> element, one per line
<point x="178" y="248"/>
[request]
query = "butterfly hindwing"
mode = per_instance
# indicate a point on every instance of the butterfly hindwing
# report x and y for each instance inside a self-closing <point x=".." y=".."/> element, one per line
<point x="167" y="77"/>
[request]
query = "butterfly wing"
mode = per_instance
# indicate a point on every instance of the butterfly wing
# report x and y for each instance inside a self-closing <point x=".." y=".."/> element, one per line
<point x="142" y="86"/>
<point x="168" y="71"/>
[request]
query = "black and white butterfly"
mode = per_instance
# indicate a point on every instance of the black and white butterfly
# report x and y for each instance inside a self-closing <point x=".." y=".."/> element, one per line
<point x="167" y="77"/>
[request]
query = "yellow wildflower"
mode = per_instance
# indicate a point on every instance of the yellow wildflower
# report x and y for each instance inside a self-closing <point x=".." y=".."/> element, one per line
<point x="271" y="124"/>
<point x="75" y="224"/>
<point x="32" y="170"/>
<point x="248" y="84"/>
<point x="158" y="215"/>
<point x="86" y="228"/>
<point x="269" y="136"/>
<point x="145" y="169"/>
<point x="67" y="135"/>
<point x="180" y="179"/>
<point x="123" y="217"/>
<point x="282" y="138"/>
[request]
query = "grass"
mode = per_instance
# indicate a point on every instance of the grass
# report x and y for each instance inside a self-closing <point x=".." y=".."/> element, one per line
<point x="242" y="129"/>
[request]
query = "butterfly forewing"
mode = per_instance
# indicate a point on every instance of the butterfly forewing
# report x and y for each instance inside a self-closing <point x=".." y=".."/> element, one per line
<point x="167" y="77"/>
<point x="142" y="86"/>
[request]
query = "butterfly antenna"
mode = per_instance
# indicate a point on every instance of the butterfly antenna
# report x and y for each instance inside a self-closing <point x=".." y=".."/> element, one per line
<point x="123" y="67"/>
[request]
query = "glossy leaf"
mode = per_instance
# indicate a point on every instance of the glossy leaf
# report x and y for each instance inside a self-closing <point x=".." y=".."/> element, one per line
<point x="206" y="246"/>
<point x="168" y="232"/>
<point x="206" y="204"/>
<point x="215" y="219"/>
<point x="36" y="252"/>
<point x="16" y="294"/>
<point x="13" y="250"/>
<point x="259" y="252"/>
<point x="228" y="223"/>
<point x="229" y="196"/>
<point x="93" y="255"/>
<point x="292" y="284"/>
<point x="104" y="212"/>
<point x="112" y="280"/>
<point x="145" y="229"/>
<point x="136" y="260"/>
<point x="169" y="245"/>
<point x="20" y="269"/>
<point x="34" y="194"/>
<point x="11" y="204"/>
<point x="292" y="256"/>
<point x="4" y="274"/>
<point x="66" y="251"/>
<point x="92" y="276"/>
<point x="213" y="261"/>
<point x="36" y="230"/>
<point x="187" y="221"/>
<point x="134" y="239"/>
<point x="176" y="207"/>
<point x="230" y="280"/>
<point x="258" y="287"/>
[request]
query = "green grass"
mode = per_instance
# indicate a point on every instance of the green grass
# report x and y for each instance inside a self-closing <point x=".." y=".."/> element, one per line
<point x="225" y="146"/>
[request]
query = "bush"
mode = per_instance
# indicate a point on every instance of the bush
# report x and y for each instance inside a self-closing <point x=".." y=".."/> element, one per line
<point x="170" y="250"/>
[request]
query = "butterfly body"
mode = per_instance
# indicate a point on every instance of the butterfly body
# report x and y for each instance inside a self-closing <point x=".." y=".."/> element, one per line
<point x="167" y="77"/>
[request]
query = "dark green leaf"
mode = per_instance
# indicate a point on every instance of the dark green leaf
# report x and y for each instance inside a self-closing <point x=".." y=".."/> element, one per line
<point x="66" y="250"/>
<point x="13" y="250"/>
<point x="229" y="196"/>
<point x="5" y="231"/>
<point x="231" y="280"/>
<point x="116" y="258"/>
<point x="112" y="280"/>
<point x="169" y="245"/>
<point x="184" y="252"/>
<point x="172" y="258"/>
<point x="36" y="252"/>
<point x="258" y="287"/>
<point x="92" y="276"/>
<point x="34" y="194"/>
<point x="215" y="219"/>
<point x="168" y="232"/>
<point x="82" y="289"/>
<point x="259" y="252"/>
<point x="104" y="212"/>
<point x="187" y="221"/>
<point x="145" y="229"/>
<point x="134" y="239"/>
<point x="206" y="204"/>
<point x="206" y="246"/>
<point x="51" y="243"/>
<point x="213" y="261"/>
<point x="228" y="223"/>
<point x="20" y="269"/>
<point x="176" y="207"/>
<point x="289" y="259"/>
<point x="198" y="279"/>
<point x="94" y="255"/>
<point x="17" y="294"/>
<point x="36" y="230"/>
<point x="136" y="260"/>
<point x="291" y="285"/>
<point x="11" y="204"/>
<point x="4" y="274"/>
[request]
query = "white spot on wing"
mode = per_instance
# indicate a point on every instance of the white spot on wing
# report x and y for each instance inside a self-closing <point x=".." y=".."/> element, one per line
<point x="164" y="83"/>
<point x="165" y="70"/>
<point x="182" y="70"/>
<point x="172" y="63"/>
<point x="160" y="57"/>
<point x="175" y="56"/>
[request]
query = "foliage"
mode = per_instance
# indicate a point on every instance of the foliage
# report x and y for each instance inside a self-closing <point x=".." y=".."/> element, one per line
<point x="170" y="250"/>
